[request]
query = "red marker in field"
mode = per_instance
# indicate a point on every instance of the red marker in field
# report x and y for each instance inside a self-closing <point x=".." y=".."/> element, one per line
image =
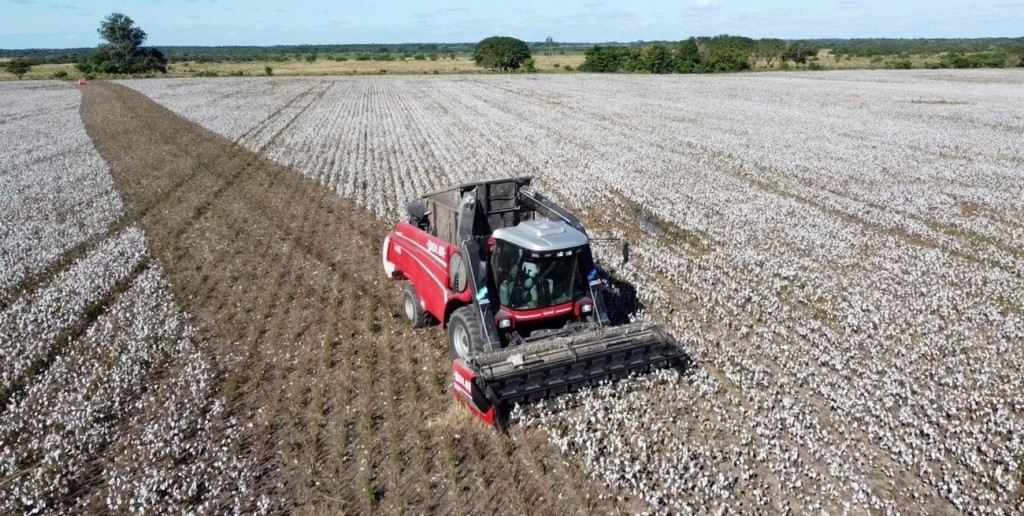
<point x="81" y="81"/>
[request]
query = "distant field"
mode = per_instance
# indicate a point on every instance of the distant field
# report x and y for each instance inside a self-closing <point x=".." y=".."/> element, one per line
<point x="461" y="64"/>
<point x="319" y="67"/>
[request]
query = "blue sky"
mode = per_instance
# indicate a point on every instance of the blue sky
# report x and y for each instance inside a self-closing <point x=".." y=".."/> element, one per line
<point x="72" y="23"/>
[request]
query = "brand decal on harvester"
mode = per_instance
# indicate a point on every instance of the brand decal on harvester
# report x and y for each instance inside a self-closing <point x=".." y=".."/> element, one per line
<point x="435" y="248"/>
<point x="463" y="383"/>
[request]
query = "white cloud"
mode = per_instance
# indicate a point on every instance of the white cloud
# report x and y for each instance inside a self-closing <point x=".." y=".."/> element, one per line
<point x="705" y="4"/>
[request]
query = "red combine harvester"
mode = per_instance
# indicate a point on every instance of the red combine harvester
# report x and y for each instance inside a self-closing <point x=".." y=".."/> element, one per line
<point x="512" y="277"/>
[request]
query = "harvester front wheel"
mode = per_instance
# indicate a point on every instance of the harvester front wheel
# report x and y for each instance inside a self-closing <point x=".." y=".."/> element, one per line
<point x="413" y="308"/>
<point x="465" y="333"/>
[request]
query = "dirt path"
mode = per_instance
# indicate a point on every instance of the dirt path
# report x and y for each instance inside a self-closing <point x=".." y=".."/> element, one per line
<point x="344" y="409"/>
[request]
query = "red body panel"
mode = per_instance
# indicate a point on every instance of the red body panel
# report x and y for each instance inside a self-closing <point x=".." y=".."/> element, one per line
<point x="466" y="392"/>
<point x="423" y="259"/>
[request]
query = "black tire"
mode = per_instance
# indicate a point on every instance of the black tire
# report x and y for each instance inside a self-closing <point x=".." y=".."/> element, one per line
<point x="464" y="323"/>
<point x="413" y="308"/>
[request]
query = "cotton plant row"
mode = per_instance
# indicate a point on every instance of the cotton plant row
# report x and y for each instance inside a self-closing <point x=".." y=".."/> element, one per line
<point x="233" y="107"/>
<point x="33" y="325"/>
<point x="179" y="452"/>
<point x="55" y="190"/>
<point x="854" y="297"/>
<point x="69" y="415"/>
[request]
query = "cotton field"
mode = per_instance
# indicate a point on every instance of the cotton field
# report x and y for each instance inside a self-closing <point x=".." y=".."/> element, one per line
<point x="55" y="192"/>
<point x="841" y="253"/>
<point x="101" y="369"/>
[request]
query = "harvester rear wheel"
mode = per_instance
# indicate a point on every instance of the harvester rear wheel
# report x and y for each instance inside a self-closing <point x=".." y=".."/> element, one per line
<point x="413" y="308"/>
<point x="465" y="332"/>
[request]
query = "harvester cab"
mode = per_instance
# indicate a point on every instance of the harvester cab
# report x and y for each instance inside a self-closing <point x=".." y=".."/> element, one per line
<point x="512" y="277"/>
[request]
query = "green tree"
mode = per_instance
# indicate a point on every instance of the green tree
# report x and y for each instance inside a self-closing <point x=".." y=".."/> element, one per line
<point x="123" y="52"/>
<point x="501" y="53"/>
<point x="725" y="60"/>
<point x="657" y="59"/>
<point x="769" y="49"/>
<point x="17" y="67"/>
<point x="121" y="33"/>
<point x="799" y="52"/>
<point x="688" y="56"/>
<point x="604" y="59"/>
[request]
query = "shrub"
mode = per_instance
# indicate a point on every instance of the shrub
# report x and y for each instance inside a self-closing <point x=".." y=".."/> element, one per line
<point x="900" y="64"/>
<point x="18" y="67"/>
<point x="814" y="65"/>
<point x="363" y="57"/>
<point x="433" y="57"/>
<point x="726" y="60"/>
<point x="268" y="71"/>
<point x="60" y="74"/>
<point x="530" y="66"/>
<point x="310" y="58"/>
<point x="605" y="59"/>
<point x="687" y="56"/>
<point x="205" y="73"/>
<point x="976" y="60"/>
<point x="567" y="68"/>
<point x="420" y="57"/>
<point x="657" y="59"/>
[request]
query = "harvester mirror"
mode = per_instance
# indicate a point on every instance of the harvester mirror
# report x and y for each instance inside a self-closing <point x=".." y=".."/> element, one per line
<point x="457" y="277"/>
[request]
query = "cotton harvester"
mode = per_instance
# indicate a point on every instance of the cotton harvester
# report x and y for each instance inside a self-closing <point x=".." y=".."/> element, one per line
<point x="511" y="276"/>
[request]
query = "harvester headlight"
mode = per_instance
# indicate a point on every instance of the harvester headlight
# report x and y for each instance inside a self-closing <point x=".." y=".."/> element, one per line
<point x="586" y="308"/>
<point x="505" y="323"/>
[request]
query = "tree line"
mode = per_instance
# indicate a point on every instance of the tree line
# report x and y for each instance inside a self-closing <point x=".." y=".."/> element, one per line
<point x="853" y="47"/>
<point x="723" y="53"/>
<point x="727" y="53"/>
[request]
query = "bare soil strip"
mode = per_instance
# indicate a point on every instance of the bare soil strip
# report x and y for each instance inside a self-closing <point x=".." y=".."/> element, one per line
<point x="344" y="408"/>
